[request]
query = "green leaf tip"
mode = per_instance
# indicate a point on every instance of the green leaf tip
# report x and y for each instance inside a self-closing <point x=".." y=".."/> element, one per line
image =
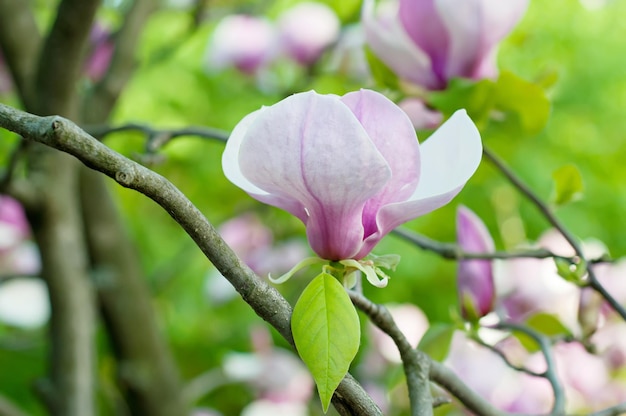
<point x="327" y="333"/>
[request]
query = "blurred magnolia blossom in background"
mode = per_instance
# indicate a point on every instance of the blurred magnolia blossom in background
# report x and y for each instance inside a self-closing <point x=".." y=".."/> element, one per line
<point x="281" y="382"/>
<point x="245" y="42"/>
<point x="348" y="56"/>
<point x="474" y="277"/>
<point x="346" y="220"/>
<point x="528" y="286"/>
<point x="429" y="42"/>
<point x="250" y="43"/>
<point x="101" y="48"/>
<point x="23" y="296"/>
<point x="254" y="244"/>
<point x="306" y="30"/>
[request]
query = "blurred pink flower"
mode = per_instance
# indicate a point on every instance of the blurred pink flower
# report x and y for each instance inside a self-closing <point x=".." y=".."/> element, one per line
<point x="528" y="286"/>
<point x="411" y="321"/>
<point x="254" y="243"/>
<point x="422" y="117"/>
<point x="241" y="41"/>
<point x="474" y="277"/>
<point x="14" y="227"/>
<point x="490" y="377"/>
<point x="277" y="375"/>
<point x="101" y="48"/>
<point x="306" y="30"/>
<point x="6" y="82"/>
<point x="429" y="42"/>
<point x="349" y="167"/>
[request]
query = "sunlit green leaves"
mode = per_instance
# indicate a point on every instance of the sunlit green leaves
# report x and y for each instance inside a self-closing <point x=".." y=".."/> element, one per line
<point x="568" y="185"/>
<point x="509" y="98"/>
<point x="523" y="99"/>
<point x="326" y="331"/>
<point x="436" y="341"/>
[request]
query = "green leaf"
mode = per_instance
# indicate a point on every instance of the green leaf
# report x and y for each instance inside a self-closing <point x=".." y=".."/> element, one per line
<point x="381" y="72"/>
<point x="327" y="333"/>
<point x="568" y="185"/>
<point x="436" y="341"/>
<point x="572" y="272"/>
<point x="547" y="324"/>
<point x="524" y="99"/>
<point x="477" y="97"/>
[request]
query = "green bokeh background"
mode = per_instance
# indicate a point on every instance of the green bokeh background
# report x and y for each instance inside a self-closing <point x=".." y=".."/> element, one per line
<point x="581" y="49"/>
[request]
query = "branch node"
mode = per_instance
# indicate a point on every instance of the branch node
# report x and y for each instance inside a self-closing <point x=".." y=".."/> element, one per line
<point x="125" y="177"/>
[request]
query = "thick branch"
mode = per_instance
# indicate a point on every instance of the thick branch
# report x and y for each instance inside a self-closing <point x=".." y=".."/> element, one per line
<point x="20" y="41"/>
<point x="57" y="132"/>
<point x="146" y="368"/>
<point x="99" y="103"/>
<point x="61" y="60"/>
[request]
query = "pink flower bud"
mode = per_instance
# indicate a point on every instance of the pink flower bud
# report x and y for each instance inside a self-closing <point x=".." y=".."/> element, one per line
<point x="474" y="277"/>
<point x="307" y="29"/>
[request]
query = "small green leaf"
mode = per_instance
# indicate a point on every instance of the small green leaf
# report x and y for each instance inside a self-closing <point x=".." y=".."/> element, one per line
<point x="477" y="97"/>
<point x="436" y="341"/>
<point x="568" y="185"/>
<point x="572" y="272"/>
<point x="326" y="332"/>
<point x="526" y="100"/>
<point x="547" y="324"/>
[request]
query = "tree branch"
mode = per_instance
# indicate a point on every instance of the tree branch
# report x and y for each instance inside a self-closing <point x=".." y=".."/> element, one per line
<point x="145" y="365"/>
<point x="437" y="372"/>
<point x="593" y="281"/>
<point x="20" y="41"/>
<point x="415" y="367"/>
<point x="57" y="132"/>
<point x="61" y="61"/>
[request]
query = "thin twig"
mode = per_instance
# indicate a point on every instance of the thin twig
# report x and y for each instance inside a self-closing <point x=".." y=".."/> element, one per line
<point x="415" y="369"/>
<point x="157" y="138"/>
<point x="593" y="281"/>
<point x="616" y="410"/>
<point x="558" y="407"/>
<point x="506" y="360"/>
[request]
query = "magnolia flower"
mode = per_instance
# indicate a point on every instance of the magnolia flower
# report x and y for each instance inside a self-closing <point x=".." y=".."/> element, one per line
<point x="306" y="29"/>
<point x="428" y="42"/>
<point x="474" y="277"/>
<point x="349" y="167"/>
<point x="242" y="41"/>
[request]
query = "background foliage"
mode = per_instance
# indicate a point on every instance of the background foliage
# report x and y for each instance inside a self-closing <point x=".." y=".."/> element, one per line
<point x="576" y="52"/>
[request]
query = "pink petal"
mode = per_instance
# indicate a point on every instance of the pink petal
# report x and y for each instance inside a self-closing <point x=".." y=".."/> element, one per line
<point x="311" y="150"/>
<point x="475" y="27"/>
<point x="388" y="39"/>
<point x="394" y="136"/>
<point x="423" y="24"/>
<point x="449" y="158"/>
